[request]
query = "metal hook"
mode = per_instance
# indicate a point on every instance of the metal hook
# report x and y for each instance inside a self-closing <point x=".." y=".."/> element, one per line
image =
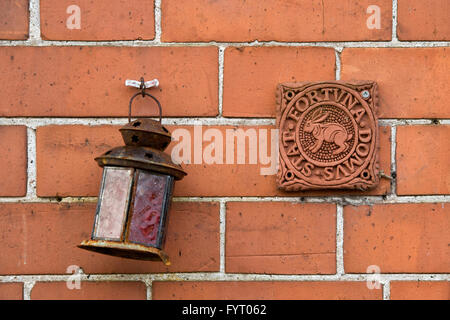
<point x="143" y="85"/>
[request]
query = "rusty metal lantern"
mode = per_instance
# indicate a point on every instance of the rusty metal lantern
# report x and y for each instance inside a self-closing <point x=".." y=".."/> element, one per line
<point x="136" y="191"/>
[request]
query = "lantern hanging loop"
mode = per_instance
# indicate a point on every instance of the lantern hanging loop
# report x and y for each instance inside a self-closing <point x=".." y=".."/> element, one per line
<point x="143" y="85"/>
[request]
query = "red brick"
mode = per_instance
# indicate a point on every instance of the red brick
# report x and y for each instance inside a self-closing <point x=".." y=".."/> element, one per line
<point x="423" y="165"/>
<point x="251" y="75"/>
<point x="412" y="82"/>
<point x="66" y="166"/>
<point x="420" y="290"/>
<point x="100" y="20"/>
<point x="13" y="162"/>
<point x="90" y="81"/>
<point x="65" y="158"/>
<point x="35" y="234"/>
<point x="11" y="291"/>
<point x="267" y="290"/>
<point x="267" y="20"/>
<point x="121" y="290"/>
<point x="282" y="238"/>
<point x="399" y="238"/>
<point x="423" y="20"/>
<point x="14" y="19"/>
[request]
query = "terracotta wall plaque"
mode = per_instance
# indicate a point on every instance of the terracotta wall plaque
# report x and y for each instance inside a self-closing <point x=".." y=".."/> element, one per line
<point x="328" y="135"/>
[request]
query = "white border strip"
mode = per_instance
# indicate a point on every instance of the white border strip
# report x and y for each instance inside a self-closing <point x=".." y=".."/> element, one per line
<point x="295" y="198"/>
<point x="152" y="43"/>
<point x="34" y="24"/>
<point x="218" y="276"/>
<point x="394" y="21"/>
<point x="222" y="232"/>
<point x="35" y="122"/>
<point x="340" y="240"/>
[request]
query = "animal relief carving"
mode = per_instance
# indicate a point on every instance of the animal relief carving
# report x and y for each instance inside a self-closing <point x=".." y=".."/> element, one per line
<point x="330" y="132"/>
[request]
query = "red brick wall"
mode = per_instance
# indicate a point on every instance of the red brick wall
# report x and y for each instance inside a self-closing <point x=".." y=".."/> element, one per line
<point x="232" y="234"/>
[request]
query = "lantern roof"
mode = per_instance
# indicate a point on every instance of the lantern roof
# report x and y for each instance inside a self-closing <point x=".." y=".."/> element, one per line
<point x="141" y="157"/>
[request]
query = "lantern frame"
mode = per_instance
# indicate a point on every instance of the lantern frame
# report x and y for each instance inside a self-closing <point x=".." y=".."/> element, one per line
<point x="143" y="158"/>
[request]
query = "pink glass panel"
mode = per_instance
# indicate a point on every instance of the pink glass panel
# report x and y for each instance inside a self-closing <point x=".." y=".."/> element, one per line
<point x="147" y="208"/>
<point x="113" y="203"/>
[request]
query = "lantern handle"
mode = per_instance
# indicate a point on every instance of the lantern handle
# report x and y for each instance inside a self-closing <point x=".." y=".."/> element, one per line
<point x="143" y="86"/>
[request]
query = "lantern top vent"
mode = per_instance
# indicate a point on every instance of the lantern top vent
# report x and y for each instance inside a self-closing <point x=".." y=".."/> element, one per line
<point x="146" y="133"/>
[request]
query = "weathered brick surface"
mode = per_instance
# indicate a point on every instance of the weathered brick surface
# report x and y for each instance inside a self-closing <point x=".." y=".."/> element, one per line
<point x="13" y="161"/>
<point x="90" y="81"/>
<point x="267" y="20"/>
<point x="63" y="73"/>
<point x="251" y="75"/>
<point x="412" y="82"/>
<point x="66" y="166"/>
<point x="399" y="238"/>
<point x="99" y="20"/>
<point x="14" y="19"/>
<point x="65" y="158"/>
<point x="11" y="291"/>
<point x="420" y="290"/>
<point x="39" y="233"/>
<point x="423" y="154"/>
<point x="423" y="20"/>
<point x="120" y="290"/>
<point x="268" y="290"/>
<point x="277" y="237"/>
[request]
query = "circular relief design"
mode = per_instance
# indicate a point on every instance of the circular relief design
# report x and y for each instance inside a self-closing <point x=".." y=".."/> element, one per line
<point x="327" y="134"/>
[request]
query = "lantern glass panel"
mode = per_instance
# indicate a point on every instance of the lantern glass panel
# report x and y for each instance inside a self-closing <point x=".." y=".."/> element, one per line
<point x="113" y="203"/>
<point x="152" y="193"/>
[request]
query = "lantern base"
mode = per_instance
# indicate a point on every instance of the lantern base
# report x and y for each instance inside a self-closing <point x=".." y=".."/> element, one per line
<point x="126" y="250"/>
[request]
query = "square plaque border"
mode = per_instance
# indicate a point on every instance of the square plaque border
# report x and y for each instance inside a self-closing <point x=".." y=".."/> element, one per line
<point x="288" y="91"/>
